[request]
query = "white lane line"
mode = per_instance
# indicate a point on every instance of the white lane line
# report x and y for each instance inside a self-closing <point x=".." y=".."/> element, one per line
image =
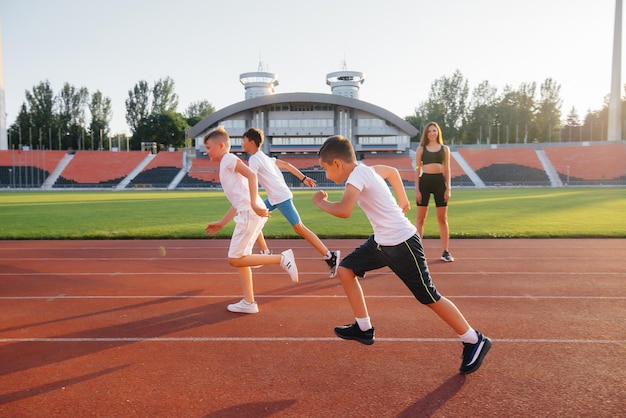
<point x="317" y="273"/>
<point x="279" y="339"/>
<point x="531" y="297"/>
<point x="170" y="258"/>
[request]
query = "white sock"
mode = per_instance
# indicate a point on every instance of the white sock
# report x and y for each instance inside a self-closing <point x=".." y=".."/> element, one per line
<point x="364" y="323"/>
<point x="327" y="256"/>
<point x="471" y="336"/>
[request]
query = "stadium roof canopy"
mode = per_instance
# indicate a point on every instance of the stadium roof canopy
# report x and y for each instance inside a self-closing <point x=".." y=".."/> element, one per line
<point x="213" y="119"/>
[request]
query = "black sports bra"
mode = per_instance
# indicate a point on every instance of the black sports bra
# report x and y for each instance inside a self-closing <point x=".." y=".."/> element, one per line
<point x="433" y="157"/>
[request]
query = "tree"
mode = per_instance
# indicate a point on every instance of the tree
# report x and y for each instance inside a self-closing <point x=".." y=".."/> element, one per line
<point x="17" y="129"/>
<point x="143" y="103"/>
<point x="163" y="97"/>
<point x="137" y="105"/>
<point x="571" y="130"/>
<point x="482" y="112"/>
<point x="572" y="118"/>
<point x="548" y="115"/>
<point x="515" y="112"/>
<point x="526" y="108"/>
<point x="100" y="109"/>
<point x="593" y="124"/>
<point x="41" y="105"/>
<point x="418" y="121"/>
<point x="197" y="111"/>
<point x="447" y="105"/>
<point x="166" y="129"/>
<point x="72" y="104"/>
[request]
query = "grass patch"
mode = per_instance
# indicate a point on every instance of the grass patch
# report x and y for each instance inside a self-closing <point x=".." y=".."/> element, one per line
<point x="473" y="213"/>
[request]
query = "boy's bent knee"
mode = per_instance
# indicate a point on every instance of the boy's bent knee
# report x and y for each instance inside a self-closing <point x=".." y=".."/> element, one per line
<point x="235" y="262"/>
<point x="345" y="273"/>
<point x="299" y="228"/>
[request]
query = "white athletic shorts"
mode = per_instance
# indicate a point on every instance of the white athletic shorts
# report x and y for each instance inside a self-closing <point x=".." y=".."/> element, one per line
<point x="248" y="226"/>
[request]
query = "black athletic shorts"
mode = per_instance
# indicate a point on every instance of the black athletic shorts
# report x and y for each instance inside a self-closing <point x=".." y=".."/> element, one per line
<point x="406" y="260"/>
<point x="435" y="184"/>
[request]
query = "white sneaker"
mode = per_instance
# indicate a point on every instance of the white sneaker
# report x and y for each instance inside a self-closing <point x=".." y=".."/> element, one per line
<point x="243" y="307"/>
<point x="288" y="263"/>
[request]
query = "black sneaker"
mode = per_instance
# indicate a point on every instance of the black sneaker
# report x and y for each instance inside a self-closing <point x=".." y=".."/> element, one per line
<point x="446" y="256"/>
<point x="333" y="262"/>
<point x="353" y="332"/>
<point x="473" y="354"/>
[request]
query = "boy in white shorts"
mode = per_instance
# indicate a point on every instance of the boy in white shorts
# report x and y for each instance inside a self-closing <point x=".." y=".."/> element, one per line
<point x="250" y="214"/>
<point x="279" y="196"/>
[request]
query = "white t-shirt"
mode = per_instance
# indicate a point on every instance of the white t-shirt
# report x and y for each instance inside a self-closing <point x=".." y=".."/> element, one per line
<point x="390" y="225"/>
<point x="235" y="185"/>
<point x="270" y="177"/>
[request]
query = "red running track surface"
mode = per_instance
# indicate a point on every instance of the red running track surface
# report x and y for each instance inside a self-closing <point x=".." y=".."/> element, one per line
<point x="140" y="328"/>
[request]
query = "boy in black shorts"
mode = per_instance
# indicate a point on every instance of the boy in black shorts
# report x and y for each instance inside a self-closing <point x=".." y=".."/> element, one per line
<point x="394" y="243"/>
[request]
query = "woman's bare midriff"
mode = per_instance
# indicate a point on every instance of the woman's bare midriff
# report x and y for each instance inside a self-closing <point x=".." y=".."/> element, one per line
<point x="433" y="168"/>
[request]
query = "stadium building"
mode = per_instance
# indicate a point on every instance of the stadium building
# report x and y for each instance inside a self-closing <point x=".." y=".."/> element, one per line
<point x="296" y="124"/>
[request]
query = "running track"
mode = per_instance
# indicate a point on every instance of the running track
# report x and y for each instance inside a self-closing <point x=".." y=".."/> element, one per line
<point x="139" y="328"/>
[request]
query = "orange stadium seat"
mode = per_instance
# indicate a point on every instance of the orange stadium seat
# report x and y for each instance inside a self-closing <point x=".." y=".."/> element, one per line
<point x="92" y="167"/>
<point x="593" y="162"/>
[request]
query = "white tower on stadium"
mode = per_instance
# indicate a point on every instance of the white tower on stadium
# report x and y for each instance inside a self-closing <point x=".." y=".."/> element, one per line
<point x="345" y="83"/>
<point x="3" y="115"/>
<point x="615" y="103"/>
<point x="258" y="83"/>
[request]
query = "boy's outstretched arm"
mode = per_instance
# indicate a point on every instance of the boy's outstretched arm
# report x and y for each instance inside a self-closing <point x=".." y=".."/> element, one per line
<point x="213" y="227"/>
<point x="285" y="165"/>
<point x="341" y="209"/>
<point x="392" y="175"/>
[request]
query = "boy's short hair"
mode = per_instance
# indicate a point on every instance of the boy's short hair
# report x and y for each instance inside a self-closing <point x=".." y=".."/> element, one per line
<point x="255" y="135"/>
<point x="337" y="147"/>
<point x="219" y="134"/>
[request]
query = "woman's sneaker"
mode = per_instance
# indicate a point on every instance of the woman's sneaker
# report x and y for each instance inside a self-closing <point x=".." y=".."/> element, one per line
<point x="243" y="307"/>
<point x="446" y="256"/>
<point x="473" y="354"/>
<point x="353" y="332"/>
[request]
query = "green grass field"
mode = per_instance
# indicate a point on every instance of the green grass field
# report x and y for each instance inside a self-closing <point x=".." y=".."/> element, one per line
<point x="473" y="213"/>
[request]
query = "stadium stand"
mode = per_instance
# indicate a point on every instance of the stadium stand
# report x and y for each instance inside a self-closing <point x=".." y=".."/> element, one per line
<point x="600" y="164"/>
<point x="27" y="169"/>
<point x="202" y="173"/>
<point x="99" y="169"/>
<point x="303" y="162"/>
<point x="159" y="172"/>
<point x="403" y="163"/>
<point x="309" y="165"/>
<point x="577" y="164"/>
<point x="506" y="166"/>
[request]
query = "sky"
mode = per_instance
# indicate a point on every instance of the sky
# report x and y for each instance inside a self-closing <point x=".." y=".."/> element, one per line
<point x="402" y="47"/>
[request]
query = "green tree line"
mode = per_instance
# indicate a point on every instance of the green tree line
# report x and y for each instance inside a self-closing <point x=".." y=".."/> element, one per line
<point x="59" y="120"/>
<point x="486" y="115"/>
<point x="77" y="119"/>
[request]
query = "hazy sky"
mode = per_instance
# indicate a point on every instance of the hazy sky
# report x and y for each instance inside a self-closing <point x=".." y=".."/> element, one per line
<point x="402" y="46"/>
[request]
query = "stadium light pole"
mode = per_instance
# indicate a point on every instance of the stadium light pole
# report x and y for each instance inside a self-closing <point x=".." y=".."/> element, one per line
<point x="615" y="103"/>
